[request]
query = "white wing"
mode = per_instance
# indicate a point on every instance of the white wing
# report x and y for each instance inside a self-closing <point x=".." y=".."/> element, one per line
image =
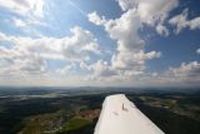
<point x="121" y="116"/>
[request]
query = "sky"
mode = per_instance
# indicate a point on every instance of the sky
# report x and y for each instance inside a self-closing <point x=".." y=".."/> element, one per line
<point x="136" y="43"/>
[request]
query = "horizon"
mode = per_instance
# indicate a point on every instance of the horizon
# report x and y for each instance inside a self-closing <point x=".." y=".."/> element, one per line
<point x="102" y="87"/>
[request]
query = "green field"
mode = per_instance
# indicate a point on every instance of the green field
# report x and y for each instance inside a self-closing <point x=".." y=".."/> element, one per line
<point x="75" y="124"/>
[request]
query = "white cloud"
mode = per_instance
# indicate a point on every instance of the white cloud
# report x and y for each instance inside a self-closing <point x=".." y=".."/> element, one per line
<point x="198" y="51"/>
<point x="130" y="57"/>
<point x="67" y="70"/>
<point x="162" y="30"/>
<point x="80" y="44"/>
<point x="102" y="69"/>
<point x="192" y="68"/>
<point x="19" y="22"/>
<point x="129" y="60"/>
<point x="181" y="21"/>
<point x="126" y="4"/>
<point x="151" y="12"/>
<point x="133" y="61"/>
<point x="94" y="18"/>
<point x="24" y="7"/>
<point x="155" y="10"/>
<point x="25" y="13"/>
<point x="28" y="55"/>
<point x="188" y="73"/>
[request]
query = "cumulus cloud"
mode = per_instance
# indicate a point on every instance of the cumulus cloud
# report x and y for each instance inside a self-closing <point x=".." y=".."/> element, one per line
<point x="162" y="30"/>
<point x="26" y="56"/>
<point x="126" y="4"/>
<point x="130" y="57"/>
<point x="153" y="13"/>
<point x="102" y="69"/>
<point x="80" y="44"/>
<point x="94" y="17"/>
<point x="133" y="61"/>
<point x="30" y="55"/>
<point x="155" y="10"/>
<point x="191" y="69"/>
<point x="188" y="73"/>
<point x="181" y="21"/>
<point x="25" y="13"/>
<point x="19" y="22"/>
<point x="24" y="7"/>
<point x="128" y="63"/>
<point x="198" y="51"/>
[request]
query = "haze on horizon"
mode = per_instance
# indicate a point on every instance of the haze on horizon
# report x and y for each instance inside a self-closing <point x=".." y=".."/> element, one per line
<point x="100" y="43"/>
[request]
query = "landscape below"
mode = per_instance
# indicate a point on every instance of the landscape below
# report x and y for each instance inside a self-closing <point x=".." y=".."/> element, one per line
<point x="76" y="110"/>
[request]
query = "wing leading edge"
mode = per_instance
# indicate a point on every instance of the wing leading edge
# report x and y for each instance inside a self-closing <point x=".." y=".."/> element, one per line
<point x="121" y="116"/>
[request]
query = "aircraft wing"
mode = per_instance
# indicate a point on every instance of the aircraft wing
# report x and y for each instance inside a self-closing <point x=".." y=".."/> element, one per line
<point x="121" y="116"/>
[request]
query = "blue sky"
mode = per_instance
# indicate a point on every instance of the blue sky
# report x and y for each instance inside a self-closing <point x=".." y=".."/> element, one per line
<point x="100" y="43"/>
